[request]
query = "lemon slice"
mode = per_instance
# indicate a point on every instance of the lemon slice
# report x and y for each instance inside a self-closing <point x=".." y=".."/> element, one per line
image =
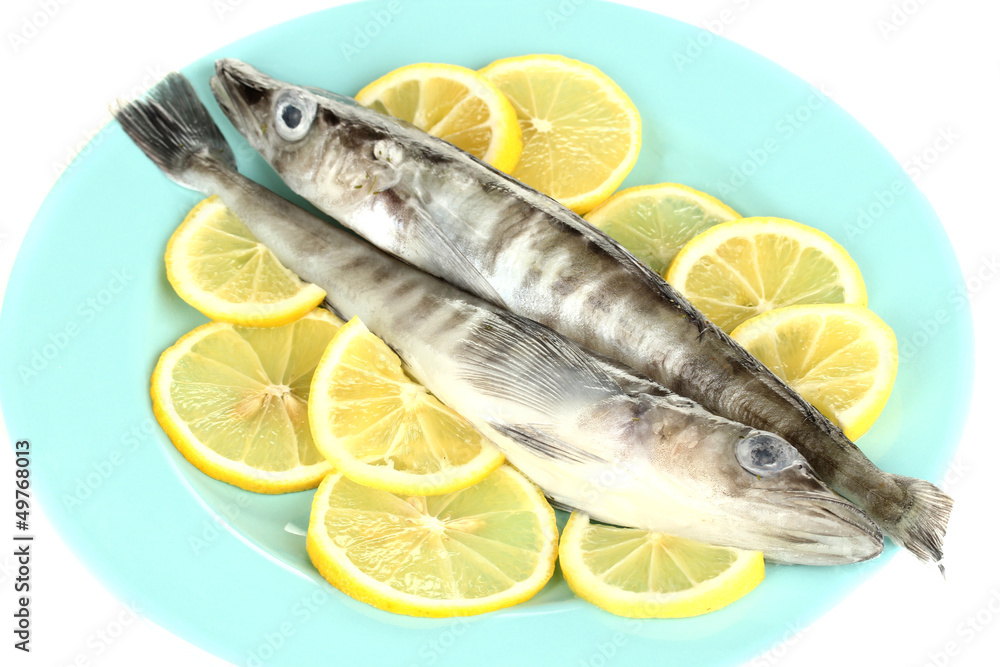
<point x="642" y="574"/>
<point x="382" y="429"/>
<point x="471" y="551"/>
<point x="233" y="401"/>
<point x="653" y="222"/>
<point x="216" y="265"/>
<point x="451" y="102"/>
<point x="740" y="269"/>
<point x="581" y="131"/>
<point x="840" y="358"/>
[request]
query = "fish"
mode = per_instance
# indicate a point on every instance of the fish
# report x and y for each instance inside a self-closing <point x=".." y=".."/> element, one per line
<point x="452" y="215"/>
<point x="593" y="434"/>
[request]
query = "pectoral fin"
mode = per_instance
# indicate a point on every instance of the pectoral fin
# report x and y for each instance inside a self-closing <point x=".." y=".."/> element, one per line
<point x="427" y="240"/>
<point x="424" y="244"/>
<point x="534" y="368"/>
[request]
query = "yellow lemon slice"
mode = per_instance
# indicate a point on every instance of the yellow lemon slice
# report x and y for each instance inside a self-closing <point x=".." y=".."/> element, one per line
<point x="453" y="103"/>
<point x="740" y="269"/>
<point x="216" y="265"/>
<point x="840" y="358"/>
<point x="382" y="429"/>
<point x="467" y="552"/>
<point x="642" y="574"/>
<point x="581" y="131"/>
<point x="653" y="222"/>
<point x="233" y="401"/>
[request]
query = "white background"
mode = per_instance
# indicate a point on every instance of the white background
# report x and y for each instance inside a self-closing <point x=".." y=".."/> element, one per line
<point x="935" y="70"/>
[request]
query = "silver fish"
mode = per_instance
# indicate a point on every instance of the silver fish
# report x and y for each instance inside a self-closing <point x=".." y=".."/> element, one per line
<point x="446" y="212"/>
<point x="592" y="433"/>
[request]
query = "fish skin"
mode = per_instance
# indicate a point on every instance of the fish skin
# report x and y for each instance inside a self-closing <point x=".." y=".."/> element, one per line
<point x="592" y="433"/>
<point x="446" y="212"/>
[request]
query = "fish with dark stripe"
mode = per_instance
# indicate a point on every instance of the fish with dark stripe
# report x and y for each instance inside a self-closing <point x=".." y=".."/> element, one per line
<point x="592" y="433"/>
<point x="444" y="211"/>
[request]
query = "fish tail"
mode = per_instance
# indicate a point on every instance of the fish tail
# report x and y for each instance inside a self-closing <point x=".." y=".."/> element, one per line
<point x="922" y="524"/>
<point x="171" y="126"/>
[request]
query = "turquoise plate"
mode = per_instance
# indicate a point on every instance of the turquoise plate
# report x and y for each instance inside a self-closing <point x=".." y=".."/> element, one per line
<point x="89" y="310"/>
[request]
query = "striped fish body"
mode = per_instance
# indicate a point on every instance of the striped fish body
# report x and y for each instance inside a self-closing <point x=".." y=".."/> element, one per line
<point x="451" y="215"/>
<point x="593" y="434"/>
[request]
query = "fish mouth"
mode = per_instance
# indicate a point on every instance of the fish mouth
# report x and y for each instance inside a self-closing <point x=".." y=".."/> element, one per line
<point x="243" y="93"/>
<point x="845" y="511"/>
<point x="837" y="531"/>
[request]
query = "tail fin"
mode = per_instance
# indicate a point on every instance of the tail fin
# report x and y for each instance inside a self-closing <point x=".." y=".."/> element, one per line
<point x="924" y="520"/>
<point x="171" y="125"/>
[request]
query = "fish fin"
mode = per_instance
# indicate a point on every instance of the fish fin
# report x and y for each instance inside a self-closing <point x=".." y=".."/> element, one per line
<point x="543" y="444"/>
<point x="668" y="292"/>
<point x="608" y="375"/>
<point x="615" y="249"/>
<point x="556" y="504"/>
<point x="333" y="309"/>
<point x="171" y="125"/>
<point x="518" y="360"/>
<point x="449" y="262"/>
<point x="924" y="520"/>
<point x="630" y="381"/>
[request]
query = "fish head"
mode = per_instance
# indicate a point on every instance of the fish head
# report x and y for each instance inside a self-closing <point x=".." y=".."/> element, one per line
<point x="670" y="466"/>
<point x="774" y="498"/>
<point x="323" y="145"/>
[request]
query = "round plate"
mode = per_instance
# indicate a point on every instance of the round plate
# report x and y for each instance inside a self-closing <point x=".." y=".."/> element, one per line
<point x="89" y="310"/>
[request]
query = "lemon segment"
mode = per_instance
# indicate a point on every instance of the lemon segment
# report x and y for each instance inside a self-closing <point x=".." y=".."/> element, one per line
<point x="382" y="429"/>
<point x="840" y="358"/>
<point x="467" y="552"/>
<point x="451" y="102"/>
<point x="654" y="222"/>
<point x="643" y="574"/>
<point x="216" y="265"/>
<point x="581" y="132"/>
<point x="740" y="269"/>
<point x="233" y="401"/>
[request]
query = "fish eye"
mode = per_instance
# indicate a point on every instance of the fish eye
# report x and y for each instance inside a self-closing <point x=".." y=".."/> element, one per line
<point x="294" y="112"/>
<point x="766" y="454"/>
